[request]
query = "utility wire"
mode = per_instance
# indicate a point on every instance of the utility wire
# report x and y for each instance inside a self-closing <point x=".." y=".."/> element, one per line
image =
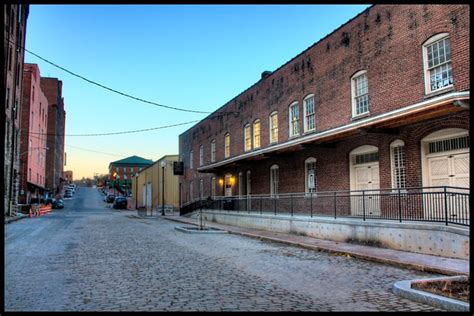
<point x="110" y="89"/>
<point x="116" y="133"/>
<point x="95" y="151"/>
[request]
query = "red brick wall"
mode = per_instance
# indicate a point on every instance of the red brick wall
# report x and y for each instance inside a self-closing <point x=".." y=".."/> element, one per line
<point x="385" y="40"/>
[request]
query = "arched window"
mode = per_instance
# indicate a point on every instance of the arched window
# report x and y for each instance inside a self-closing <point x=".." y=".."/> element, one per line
<point x="247" y="137"/>
<point x="213" y="150"/>
<point x="274" y="179"/>
<point x="256" y="134"/>
<point x="227" y="145"/>
<point x="309" y="113"/>
<point x="360" y="93"/>
<point x="294" y="119"/>
<point x="201" y="155"/>
<point x="437" y="63"/>
<point x="398" y="158"/>
<point x="310" y="175"/>
<point x="273" y="127"/>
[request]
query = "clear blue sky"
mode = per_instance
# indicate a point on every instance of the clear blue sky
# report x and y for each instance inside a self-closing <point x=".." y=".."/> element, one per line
<point x="197" y="57"/>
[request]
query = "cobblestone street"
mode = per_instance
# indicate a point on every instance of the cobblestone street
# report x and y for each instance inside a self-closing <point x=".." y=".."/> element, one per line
<point x="88" y="257"/>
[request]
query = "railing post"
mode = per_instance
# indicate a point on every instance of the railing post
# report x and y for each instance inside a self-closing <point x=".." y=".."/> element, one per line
<point x="399" y="205"/>
<point x="446" y="206"/>
<point x="291" y="201"/>
<point x="363" y="205"/>
<point x="261" y="205"/>
<point x="335" y="209"/>
<point x="311" y="202"/>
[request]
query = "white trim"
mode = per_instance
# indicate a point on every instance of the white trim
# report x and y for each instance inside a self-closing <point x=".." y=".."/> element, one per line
<point x="393" y="145"/>
<point x="201" y="155"/>
<point x="426" y="72"/>
<point x="432" y="102"/>
<point x="270" y="127"/>
<point x="259" y="134"/>
<point x="226" y="155"/>
<point x="364" y="149"/>
<point x="213" y="150"/>
<point x="290" y="121"/>
<point x="305" y="126"/>
<point x="250" y="136"/>
<point x="353" y="94"/>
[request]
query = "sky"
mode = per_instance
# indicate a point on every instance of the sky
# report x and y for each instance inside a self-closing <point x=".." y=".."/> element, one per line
<point x="196" y="57"/>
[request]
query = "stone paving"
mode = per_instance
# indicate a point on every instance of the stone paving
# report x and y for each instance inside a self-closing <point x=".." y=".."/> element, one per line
<point x="91" y="258"/>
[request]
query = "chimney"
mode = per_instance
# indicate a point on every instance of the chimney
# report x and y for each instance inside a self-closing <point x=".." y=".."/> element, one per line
<point x="266" y="73"/>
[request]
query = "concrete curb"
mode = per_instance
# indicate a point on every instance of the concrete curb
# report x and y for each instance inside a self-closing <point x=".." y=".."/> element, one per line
<point x="16" y="218"/>
<point x="188" y="231"/>
<point x="403" y="289"/>
<point x="409" y="265"/>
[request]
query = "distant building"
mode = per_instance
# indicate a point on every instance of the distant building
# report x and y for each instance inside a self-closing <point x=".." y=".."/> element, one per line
<point x="122" y="171"/>
<point x="34" y="125"/>
<point x="147" y="186"/>
<point x="67" y="175"/>
<point x="52" y="88"/>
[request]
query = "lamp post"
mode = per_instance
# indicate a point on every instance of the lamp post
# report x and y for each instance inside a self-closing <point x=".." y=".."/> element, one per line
<point x="163" y="165"/>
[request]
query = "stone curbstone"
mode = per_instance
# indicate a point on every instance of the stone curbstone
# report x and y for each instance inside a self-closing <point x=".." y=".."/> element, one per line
<point x="16" y="218"/>
<point x="403" y="289"/>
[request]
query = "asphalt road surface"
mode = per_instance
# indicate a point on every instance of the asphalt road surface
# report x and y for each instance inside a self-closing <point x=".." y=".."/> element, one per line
<point x="88" y="257"/>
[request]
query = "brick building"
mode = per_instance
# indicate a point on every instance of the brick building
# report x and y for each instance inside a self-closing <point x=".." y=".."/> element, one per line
<point x="381" y="102"/>
<point x="34" y="124"/>
<point x="122" y="171"/>
<point x="14" y="33"/>
<point x="67" y="175"/>
<point x="52" y="88"/>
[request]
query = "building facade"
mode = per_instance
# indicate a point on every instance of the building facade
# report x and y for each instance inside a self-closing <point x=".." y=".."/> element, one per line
<point x="147" y="186"/>
<point x="15" y="20"/>
<point x="52" y="88"/>
<point x="381" y="102"/>
<point x="34" y="125"/>
<point x="67" y="175"/>
<point x="122" y="171"/>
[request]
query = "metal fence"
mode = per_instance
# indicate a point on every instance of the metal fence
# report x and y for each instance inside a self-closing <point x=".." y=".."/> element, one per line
<point x="444" y="204"/>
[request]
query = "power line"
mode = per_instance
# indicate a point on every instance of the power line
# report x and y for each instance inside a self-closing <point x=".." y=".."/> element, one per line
<point x="117" y="133"/>
<point x="111" y="89"/>
<point x="96" y="151"/>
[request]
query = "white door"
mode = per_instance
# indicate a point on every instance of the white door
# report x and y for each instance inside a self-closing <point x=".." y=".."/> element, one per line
<point x="366" y="177"/>
<point x="448" y="170"/>
<point x="149" y="196"/>
<point x="228" y="186"/>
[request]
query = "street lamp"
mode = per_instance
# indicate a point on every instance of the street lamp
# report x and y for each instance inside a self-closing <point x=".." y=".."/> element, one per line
<point x="163" y="165"/>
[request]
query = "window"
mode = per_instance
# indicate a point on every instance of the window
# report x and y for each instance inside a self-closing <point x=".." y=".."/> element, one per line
<point x="33" y="93"/>
<point x="29" y="174"/>
<point x="256" y="134"/>
<point x="360" y="93"/>
<point x="274" y="180"/>
<point x="8" y="98"/>
<point x="227" y="145"/>
<point x="191" y="159"/>
<point x="213" y="151"/>
<point x="273" y="127"/>
<point x="437" y="63"/>
<point x="294" y="120"/>
<point x="30" y="149"/>
<point x="10" y="57"/>
<point x="309" y="116"/>
<point x="366" y="158"/>
<point x="247" y="137"/>
<point x="397" y="149"/>
<point x="201" y="155"/>
<point x="213" y="186"/>
<point x="310" y="175"/>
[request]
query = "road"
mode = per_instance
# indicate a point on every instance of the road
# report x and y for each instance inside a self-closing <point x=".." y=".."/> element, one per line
<point x="88" y="257"/>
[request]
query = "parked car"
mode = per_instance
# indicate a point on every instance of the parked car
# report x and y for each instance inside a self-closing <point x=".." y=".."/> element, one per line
<point x="120" y="202"/>
<point x="110" y="198"/>
<point x="68" y="194"/>
<point x="58" y="203"/>
<point x="48" y="201"/>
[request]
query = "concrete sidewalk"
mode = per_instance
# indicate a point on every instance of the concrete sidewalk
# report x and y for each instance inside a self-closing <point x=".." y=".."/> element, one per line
<point x="417" y="261"/>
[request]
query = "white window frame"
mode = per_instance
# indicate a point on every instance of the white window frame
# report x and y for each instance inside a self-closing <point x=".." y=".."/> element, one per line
<point x="191" y="165"/>
<point x="274" y="183"/>
<point x="256" y="137"/>
<point x="201" y="155"/>
<point x="271" y="127"/>
<point x="354" y="96"/>
<point x="294" y="124"/>
<point x="247" y="137"/>
<point x="227" y="145"/>
<point x="396" y="144"/>
<point x="310" y="160"/>
<point x="306" y="115"/>
<point x="426" y="69"/>
<point x="213" y="150"/>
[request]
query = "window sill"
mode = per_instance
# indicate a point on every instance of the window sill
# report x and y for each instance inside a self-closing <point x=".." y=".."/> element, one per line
<point x="360" y="116"/>
<point x="294" y="136"/>
<point x="438" y="92"/>
<point x="310" y="132"/>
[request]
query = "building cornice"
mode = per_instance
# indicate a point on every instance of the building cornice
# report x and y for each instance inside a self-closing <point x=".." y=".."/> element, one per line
<point x="410" y="109"/>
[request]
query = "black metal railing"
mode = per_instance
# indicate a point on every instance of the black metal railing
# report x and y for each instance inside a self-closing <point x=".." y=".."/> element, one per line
<point x="444" y="204"/>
